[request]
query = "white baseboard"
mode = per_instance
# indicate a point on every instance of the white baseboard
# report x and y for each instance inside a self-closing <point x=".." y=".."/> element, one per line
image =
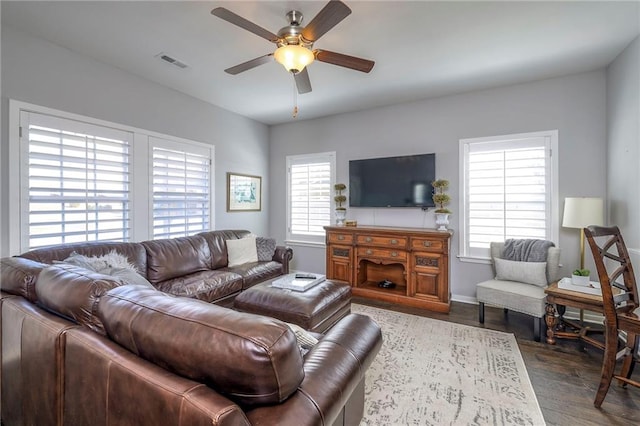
<point x="464" y="299"/>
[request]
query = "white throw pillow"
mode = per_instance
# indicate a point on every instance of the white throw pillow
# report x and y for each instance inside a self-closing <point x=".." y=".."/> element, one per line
<point x="525" y="272"/>
<point x="242" y="251"/>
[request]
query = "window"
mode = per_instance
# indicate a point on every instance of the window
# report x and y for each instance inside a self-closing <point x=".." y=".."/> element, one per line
<point x="309" y="194"/>
<point x="508" y="189"/>
<point x="81" y="179"/>
<point x="181" y="189"/>
<point x="77" y="179"/>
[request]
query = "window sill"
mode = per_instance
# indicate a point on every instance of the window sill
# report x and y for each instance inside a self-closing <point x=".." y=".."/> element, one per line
<point x="299" y="243"/>
<point x="468" y="259"/>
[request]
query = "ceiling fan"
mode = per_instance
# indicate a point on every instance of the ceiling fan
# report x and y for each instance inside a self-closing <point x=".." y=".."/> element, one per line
<point x="295" y="43"/>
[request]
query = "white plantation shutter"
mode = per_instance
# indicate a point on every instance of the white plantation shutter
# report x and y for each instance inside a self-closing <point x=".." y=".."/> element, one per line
<point x="507" y="190"/>
<point x="310" y="182"/>
<point x="77" y="181"/>
<point x="181" y="188"/>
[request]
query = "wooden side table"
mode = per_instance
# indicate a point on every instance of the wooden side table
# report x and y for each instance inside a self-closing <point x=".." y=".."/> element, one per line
<point x="561" y="298"/>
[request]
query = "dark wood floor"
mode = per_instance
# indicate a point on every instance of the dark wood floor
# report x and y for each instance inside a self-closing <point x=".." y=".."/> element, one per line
<point x="564" y="376"/>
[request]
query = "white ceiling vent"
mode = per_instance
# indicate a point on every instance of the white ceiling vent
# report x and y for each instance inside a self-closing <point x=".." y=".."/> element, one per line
<point x="170" y="59"/>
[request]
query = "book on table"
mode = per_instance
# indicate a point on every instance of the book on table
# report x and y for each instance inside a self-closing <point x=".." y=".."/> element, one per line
<point x="592" y="288"/>
<point x="300" y="281"/>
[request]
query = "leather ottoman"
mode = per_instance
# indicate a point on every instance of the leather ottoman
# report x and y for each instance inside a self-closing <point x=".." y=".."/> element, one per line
<point x="316" y="309"/>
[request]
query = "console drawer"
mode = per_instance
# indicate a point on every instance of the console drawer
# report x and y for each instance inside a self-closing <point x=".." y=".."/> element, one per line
<point x="426" y="244"/>
<point x="399" y="255"/>
<point x="378" y="240"/>
<point x="340" y="238"/>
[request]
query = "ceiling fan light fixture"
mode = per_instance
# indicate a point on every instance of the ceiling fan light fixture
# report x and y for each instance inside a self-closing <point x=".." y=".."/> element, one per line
<point x="294" y="57"/>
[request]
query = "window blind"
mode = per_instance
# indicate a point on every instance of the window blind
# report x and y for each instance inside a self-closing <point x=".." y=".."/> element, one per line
<point x="507" y="192"/>
<point x="78" y="181"/>
<point x="310" y="198"/>
<point x="310" y="179"/>
<point x="181" y="190"/>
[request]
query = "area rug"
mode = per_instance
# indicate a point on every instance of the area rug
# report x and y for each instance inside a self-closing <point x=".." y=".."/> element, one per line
<point x="432" y="372"/>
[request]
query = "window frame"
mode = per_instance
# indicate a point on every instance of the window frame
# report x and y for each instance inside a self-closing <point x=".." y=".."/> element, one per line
<point x="322" y="157"/>
<point x="140" y="182"/>
<point x="552" y="229"/>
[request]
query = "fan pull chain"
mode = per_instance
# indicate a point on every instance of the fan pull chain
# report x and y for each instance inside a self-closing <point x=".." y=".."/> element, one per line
<point x="295" y="99"/>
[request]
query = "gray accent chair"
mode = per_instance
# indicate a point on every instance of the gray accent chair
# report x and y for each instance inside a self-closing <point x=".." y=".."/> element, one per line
<point x="517" y="296"/>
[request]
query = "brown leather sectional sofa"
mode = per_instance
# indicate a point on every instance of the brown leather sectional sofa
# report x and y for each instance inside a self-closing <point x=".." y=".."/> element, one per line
<point x="79" y="348"/>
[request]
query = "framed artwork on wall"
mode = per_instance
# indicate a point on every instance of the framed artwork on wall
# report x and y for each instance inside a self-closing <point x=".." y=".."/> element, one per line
<point x="244" y="193"/>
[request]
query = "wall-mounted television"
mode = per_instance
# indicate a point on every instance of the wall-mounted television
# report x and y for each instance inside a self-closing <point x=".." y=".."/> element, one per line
<point x="392" y="181"/>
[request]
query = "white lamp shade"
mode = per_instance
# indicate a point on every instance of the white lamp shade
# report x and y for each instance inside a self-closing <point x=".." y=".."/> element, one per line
<point x="580" y="212"/>
<point x="294" y="57"/>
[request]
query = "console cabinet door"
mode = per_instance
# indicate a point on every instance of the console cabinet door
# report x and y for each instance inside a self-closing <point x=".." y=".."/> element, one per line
<point x="340" y="263"/>
<point x="428" y="281"/>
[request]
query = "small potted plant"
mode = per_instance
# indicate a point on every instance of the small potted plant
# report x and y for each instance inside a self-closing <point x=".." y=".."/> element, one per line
<point x="580" y="277"/>
<point x="341" y="212"/>
<point x="441" y="200"/>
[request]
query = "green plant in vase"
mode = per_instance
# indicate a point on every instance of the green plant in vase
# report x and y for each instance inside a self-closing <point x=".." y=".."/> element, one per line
<point x="340" y="198"/>
<point x="441" y="199"/>
<point x="581" y="277"/>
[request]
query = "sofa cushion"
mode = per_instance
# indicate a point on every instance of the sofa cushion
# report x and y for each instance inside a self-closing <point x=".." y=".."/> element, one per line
<point x="175" y="257"/>
<point x="208" y="286"/>
<point x="217" y="241"/>
<point x="74" y="293"/>
<point x="256" y="272"/>
<point x="241" y="251"/>
<point x="252" y="359"/>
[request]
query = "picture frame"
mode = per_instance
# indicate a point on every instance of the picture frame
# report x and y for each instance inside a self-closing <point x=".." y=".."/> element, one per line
<point x="244" y="193"/>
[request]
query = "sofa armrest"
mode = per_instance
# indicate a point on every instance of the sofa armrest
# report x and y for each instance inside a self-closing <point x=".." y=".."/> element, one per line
<point x="283" y="255"/>
<point x="334" y="370"/>
<point x="105" y="381"/>
<point x="18" y="276"/>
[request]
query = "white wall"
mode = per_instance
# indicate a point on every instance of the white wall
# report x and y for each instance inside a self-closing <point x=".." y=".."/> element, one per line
<point x="41" y="73"/>
<point x="623" y="137"/>
<point x="574" y="105"/>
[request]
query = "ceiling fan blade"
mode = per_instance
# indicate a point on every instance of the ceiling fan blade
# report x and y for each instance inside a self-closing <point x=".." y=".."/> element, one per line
<point x="330" y="15"/>
<point x="358" y="64"/>
<point x="302" y="81"/>
<point x="238" y="20"/>
<point x="249" y="64"/>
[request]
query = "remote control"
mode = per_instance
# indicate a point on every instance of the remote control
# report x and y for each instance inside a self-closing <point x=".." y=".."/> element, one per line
<point x="306" y="276"/>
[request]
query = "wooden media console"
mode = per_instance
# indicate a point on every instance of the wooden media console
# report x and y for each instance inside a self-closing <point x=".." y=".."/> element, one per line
<point x="413" y="262"/>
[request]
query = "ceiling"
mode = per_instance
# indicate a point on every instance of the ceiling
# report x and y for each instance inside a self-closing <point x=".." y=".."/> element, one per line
<point x="421" y="48"/>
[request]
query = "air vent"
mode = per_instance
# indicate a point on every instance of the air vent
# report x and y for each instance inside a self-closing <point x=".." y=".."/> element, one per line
<point x="170" y="59"/>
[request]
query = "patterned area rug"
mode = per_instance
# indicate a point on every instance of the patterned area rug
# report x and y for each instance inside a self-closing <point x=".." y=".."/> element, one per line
<point x="432" y="372"/>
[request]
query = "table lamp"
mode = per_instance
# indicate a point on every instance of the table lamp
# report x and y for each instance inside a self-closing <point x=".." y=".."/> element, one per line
<point x="580" y="212"/>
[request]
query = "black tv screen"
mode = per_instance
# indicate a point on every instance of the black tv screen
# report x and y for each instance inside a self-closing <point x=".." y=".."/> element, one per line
<point x="392" y="182"/>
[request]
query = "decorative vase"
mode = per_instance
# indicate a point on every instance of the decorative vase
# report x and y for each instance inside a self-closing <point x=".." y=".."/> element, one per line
<point x="442" y="219"/>
<point x="580" y="280"/>
<point x="341" y="215"/>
